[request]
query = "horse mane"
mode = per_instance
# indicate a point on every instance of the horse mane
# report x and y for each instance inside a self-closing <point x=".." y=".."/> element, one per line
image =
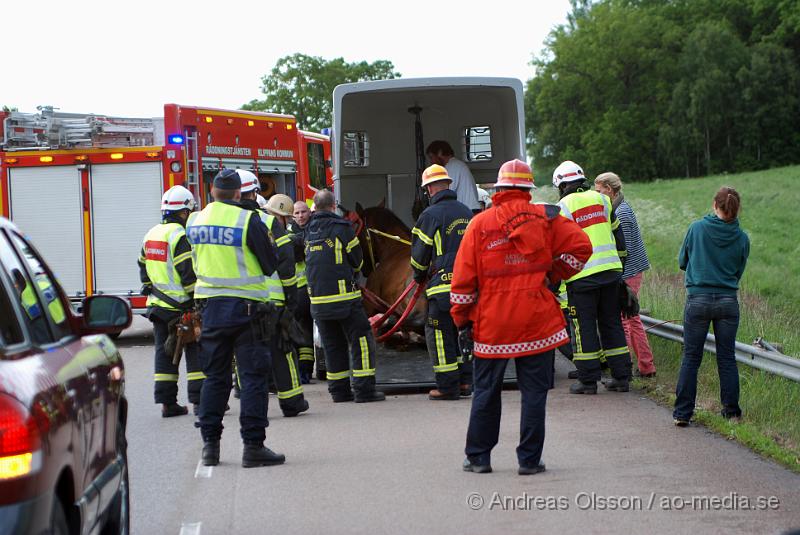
<point x="382" y="211"/>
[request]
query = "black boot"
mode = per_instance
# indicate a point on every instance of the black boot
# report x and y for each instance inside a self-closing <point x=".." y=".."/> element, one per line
<point x="168" y="410"/>
<point x="211" y="453"/>
<point x="291" y="412"/>
<point x="583" y="388"/>
<point x="572" y="374"/>
<point x="617" y="385"/>
<point x="531" y="470"/>
<point x="368" y="397"/>
<point x="342" y="397"/>
<point x="258" y="455"/>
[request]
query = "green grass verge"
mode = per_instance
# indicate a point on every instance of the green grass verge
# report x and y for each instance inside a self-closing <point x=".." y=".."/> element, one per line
<point x="769" y="298"/>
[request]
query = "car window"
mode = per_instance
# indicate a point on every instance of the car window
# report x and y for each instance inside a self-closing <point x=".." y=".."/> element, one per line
<point x="10" y="329"/>
<point x="47" y="288"/>
<point x="24" y="294"/>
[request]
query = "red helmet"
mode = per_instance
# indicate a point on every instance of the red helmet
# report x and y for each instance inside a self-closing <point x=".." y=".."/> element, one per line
<point x="515" y="174"/>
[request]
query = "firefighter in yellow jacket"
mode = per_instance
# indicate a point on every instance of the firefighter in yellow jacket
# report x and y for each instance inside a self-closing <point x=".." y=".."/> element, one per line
<point x="593" y="293"/>
<point x="166" y="269"/>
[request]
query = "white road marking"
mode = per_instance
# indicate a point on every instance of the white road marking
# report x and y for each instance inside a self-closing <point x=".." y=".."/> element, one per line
<point x="203" y="471"/>
<point x="190" y="528"/>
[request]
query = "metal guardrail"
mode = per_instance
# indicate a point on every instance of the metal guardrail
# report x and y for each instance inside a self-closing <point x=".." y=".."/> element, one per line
<point x="768" y="361"/>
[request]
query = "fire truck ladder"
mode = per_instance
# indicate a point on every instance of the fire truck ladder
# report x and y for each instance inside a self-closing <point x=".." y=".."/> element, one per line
<point x="192" y="160"/>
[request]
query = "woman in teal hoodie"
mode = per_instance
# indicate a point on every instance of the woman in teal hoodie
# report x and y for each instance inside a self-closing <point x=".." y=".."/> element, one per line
<point x="713" y="254"/>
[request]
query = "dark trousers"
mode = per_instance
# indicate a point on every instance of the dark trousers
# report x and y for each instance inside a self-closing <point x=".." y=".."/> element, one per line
<point x="305" y="351"/>
<point x="700" y="312"/>
<point x="167" y="374"/>
<point x="286" y="375"/>
<point x="349" y="350"/>
<point x="566" y="349"/>
<point x="441" y="337"/>
<point x="535" y="378"/>
<point x="253" y="360"/>
<point x="598" y="332"/>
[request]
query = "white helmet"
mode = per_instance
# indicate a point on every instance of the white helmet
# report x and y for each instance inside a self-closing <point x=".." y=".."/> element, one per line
<point x="262" y="202"/>
<point x="249" y="180"/>
<point x="177" y="198"/>
<point x="568" y="171"/>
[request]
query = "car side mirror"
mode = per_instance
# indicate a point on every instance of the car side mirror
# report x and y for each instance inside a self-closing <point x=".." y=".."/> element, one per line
<point x="104" y="314"/>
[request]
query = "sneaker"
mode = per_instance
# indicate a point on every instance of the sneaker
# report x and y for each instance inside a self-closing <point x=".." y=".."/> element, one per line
<point x="531" y="470"/>
<point x="470" y="466"/>
<point x="572" y="374"/>
<point x="259" y="455"/>
<point x="168" y="410"/>
<point x="617" y="385"/>
<point x="291" y="413"/>
<point x="210" y="454"/>
<point x="583" y="388"/>
<point x="438" y="395"/>
<point x="681" y="422"/>
<point x="369" y="397"/>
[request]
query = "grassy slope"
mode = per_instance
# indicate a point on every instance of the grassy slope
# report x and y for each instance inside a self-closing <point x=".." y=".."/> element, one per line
<point x="770" y="297"/>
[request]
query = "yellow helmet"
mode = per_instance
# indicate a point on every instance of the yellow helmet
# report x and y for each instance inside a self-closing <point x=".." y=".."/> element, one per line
<point x="434" y="173"/>
<point x="280" y="204"/>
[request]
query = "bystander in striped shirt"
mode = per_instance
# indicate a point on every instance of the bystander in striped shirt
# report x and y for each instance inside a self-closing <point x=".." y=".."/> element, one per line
<point x="637" y="255"/>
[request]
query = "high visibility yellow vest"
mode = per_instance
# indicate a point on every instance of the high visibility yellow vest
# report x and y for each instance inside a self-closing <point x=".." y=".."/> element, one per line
<point x="31" y="304"/>
<point x="276" y="294"/>
<point x="300" y="273"/>
<point x="224" y="265"/>
<point x="160" y="261"/>
<point x="592" y="212"/>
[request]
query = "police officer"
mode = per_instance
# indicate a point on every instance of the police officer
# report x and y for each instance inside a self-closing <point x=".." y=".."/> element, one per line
<point x="593" y="293"/>
<point x="296" y="230"/>
<point x="333" y="257"/>
<point x="233" y="261"/>
<point x="434" y="243"/>
<point x="283" y="294"/>
<point x="165" y="267"/>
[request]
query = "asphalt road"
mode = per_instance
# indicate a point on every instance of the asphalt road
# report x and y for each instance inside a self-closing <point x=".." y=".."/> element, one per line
<point x="615" y="464"/>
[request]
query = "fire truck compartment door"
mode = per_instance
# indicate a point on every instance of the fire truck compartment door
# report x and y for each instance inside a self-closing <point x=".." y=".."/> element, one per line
<point x="126" y="203"/>
<point x="46" y="205"/>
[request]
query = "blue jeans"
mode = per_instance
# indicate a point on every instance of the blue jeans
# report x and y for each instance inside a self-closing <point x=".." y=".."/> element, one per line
<point x="701" y="311"/>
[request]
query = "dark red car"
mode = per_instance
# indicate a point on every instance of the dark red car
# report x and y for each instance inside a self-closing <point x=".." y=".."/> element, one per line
<point x="63" y="462"/>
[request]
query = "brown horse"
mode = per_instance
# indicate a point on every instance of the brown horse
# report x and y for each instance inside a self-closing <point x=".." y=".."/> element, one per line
<point x="387" y="261"/>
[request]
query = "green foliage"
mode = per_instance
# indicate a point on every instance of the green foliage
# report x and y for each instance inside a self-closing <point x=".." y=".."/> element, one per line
<point x="302" y="86"/>
<point x="652" y="88"/>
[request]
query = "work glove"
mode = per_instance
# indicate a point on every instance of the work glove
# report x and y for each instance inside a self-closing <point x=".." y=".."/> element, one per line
<point x="628" y="302"/>
<point x="465" y="342"/>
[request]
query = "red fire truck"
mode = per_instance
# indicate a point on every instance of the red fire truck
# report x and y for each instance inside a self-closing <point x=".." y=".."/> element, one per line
<point x="86" y="188"/>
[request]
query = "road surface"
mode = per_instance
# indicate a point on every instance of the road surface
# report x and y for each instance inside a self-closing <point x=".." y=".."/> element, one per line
<point x="615" y="464"/>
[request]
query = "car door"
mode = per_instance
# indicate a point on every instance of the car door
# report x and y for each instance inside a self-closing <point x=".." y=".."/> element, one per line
<point x="76" y="365"/>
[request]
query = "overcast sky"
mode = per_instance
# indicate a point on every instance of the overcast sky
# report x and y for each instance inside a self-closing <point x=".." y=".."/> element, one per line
<point x="130" y="58"/>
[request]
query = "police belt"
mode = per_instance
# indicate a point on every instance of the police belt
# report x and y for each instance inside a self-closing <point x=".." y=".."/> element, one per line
<point x="152" y="290"/>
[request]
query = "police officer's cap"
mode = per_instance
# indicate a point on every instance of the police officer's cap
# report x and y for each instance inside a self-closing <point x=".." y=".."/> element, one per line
<point x="227" y="179"/>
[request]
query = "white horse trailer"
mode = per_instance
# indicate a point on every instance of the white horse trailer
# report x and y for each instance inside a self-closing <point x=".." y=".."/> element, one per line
<point x="377" y="141"/>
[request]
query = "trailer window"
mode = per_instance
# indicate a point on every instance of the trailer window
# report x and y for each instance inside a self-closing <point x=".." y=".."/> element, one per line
<point x="355" y="149"/>
<point x="477" y="143"/>
<point x="316" y="165"/>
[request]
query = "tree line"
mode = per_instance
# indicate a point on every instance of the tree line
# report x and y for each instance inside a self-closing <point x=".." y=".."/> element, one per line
<point x="660" y="88"/>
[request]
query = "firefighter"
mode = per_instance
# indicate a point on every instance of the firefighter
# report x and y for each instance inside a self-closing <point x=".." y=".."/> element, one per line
<point x="295" y="229"/>
<point x="593" y="294"/>
<point x="283" y="294"/>
<point x="166" y="269"/>
<point x="434" y="244"/>
<point x="234" y="259"/>
<point x="333" y="259"/>
<point x="508" y="256"/>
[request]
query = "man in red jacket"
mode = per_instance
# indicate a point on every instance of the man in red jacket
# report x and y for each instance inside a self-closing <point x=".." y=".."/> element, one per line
<point x="500" y="292"/>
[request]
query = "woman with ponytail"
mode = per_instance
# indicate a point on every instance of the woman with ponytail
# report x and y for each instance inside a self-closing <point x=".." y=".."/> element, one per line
<point x="713" y="255"/>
